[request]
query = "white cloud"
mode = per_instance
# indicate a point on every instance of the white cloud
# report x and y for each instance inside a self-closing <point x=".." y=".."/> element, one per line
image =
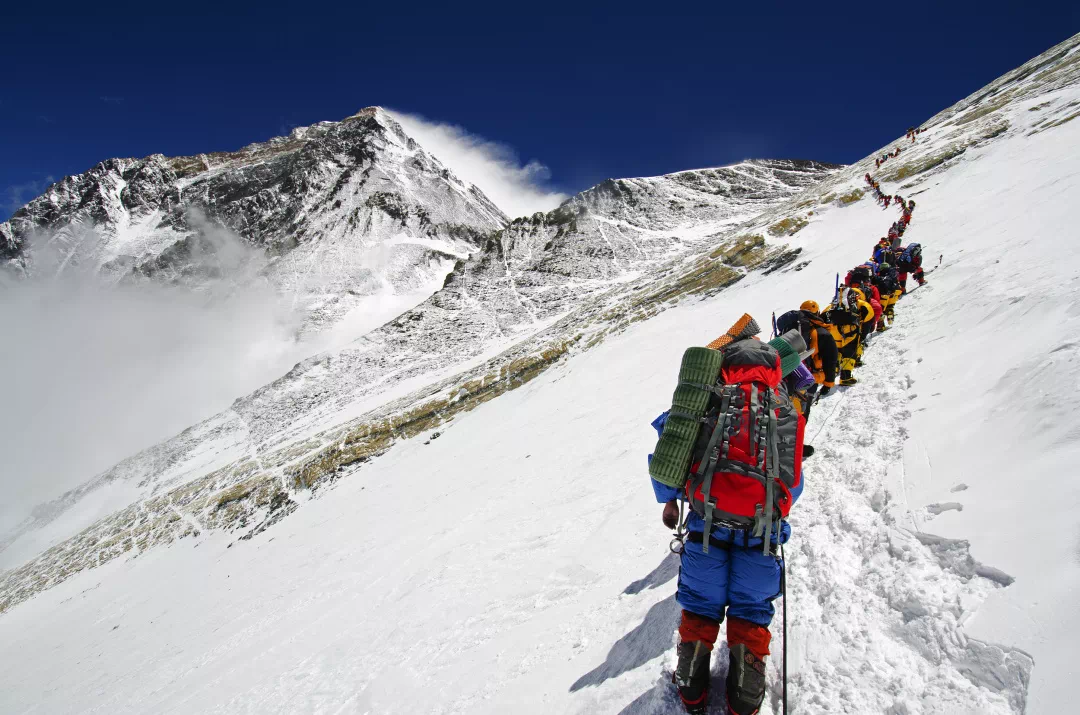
<point x="519" y="190"/>
<point x="98" y="369"/>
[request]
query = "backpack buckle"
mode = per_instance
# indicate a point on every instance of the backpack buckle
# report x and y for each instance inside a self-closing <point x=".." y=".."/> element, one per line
<point x="759" y="520"/>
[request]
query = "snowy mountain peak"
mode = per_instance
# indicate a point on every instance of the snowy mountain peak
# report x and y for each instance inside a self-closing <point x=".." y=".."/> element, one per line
<point x="336" y="212"/>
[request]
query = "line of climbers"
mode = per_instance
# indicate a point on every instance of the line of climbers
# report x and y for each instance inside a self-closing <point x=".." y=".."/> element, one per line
<point x="906" y="207"/>
<point x="731" y="447"/>
<point x="912" y="133"/>
<point x="885" y="157"/>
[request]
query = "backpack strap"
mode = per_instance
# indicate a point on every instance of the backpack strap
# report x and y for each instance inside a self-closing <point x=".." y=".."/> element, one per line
<point x="752" y="422"/>
<point x="761" y="458"/>
<point x="701" y="386"/>
<point x="716" y="450"/>
<point x="687" y="416"/>
<point x="763" y="522"/>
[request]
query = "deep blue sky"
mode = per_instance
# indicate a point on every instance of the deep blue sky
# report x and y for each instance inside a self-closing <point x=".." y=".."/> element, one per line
<point x="591" y="91"/>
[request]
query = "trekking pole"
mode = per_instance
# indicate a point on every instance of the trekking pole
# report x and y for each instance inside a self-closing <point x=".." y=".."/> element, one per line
<point x="783" y="618"/>
<point x="773" y="326"/>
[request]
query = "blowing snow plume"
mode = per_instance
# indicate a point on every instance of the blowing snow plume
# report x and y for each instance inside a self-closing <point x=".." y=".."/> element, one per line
<point x="519" y="190"/>
<point x="96" y="370"/>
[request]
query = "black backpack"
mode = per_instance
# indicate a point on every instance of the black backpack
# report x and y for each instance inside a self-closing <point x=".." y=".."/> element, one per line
<point x="794" y="320"/>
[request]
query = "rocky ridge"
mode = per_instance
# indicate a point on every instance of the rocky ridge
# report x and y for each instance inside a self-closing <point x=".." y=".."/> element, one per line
<point x="330" y="214"/>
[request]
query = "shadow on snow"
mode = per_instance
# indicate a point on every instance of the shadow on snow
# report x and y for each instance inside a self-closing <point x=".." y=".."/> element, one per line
<point x="650" y="639"/>
<point x="667" y="570"/>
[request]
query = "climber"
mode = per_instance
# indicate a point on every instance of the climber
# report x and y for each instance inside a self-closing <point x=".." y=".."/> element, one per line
<point x="843" y="315"/>
<point x="909" y="260"/>
<point x="861" y="279"/>
<point x="821" y="337"/>
<point x="730" y="566"/>
<point x="889" y="290"/>
<point x="869" y="299"/>
<point x="881" y="250"/>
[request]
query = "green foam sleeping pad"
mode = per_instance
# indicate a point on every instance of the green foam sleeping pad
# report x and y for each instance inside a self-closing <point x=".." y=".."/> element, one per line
<point x="670" y="464"/>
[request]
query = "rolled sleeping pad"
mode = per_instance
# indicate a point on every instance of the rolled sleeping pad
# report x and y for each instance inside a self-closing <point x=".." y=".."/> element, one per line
<point x="699" y="371"/>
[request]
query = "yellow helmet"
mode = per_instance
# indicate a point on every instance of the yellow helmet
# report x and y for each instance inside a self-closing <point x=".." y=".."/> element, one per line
<point x="810" y="305"/>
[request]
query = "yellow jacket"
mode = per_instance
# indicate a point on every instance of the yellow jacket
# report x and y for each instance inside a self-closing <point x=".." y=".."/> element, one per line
<point x="866" y="311"/>
<point x="843" y="325"/>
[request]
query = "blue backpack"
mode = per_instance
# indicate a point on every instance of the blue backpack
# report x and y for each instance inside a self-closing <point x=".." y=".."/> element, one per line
<point x="791" y="320"/>
<point x="911" y="254"/>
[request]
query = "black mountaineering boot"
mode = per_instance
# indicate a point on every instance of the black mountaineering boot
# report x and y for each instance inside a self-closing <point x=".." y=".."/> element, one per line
<point x="745" y="682"/>
<point x="692" y="676"/>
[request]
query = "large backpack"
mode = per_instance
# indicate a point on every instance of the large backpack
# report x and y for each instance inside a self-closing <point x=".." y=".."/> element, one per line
<point x="747" y="456"/>
<point x="859" y="274"/>
<point x="911" y="258"/>
<point x="794" y="320"/>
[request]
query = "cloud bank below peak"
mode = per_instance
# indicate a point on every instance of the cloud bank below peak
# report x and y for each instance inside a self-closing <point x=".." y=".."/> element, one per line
<point x="518" y="189"/>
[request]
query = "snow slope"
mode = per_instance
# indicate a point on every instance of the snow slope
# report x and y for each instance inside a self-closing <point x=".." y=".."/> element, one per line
<point x="517" y="562"/>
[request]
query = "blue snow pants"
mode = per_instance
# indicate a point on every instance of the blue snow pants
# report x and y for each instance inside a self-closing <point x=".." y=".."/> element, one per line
<point x="741" y="579"/>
